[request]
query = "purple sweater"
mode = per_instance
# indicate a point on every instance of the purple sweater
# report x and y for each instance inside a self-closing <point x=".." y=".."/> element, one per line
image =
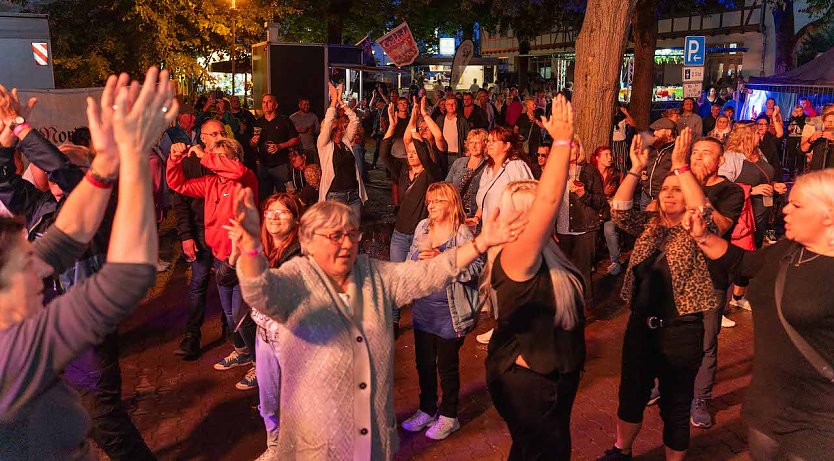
<point x="40" y="417"/>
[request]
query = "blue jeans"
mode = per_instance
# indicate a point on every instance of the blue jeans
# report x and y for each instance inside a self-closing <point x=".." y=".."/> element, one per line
<point x="271" y="179"/>
<point x="349" y="198"/>
<point x="611" y="240"/>
<point x="200" y="271"/>
<point x="231" y="301"/>
<point x="400" y="244"/>
<point x="269" y="386"/>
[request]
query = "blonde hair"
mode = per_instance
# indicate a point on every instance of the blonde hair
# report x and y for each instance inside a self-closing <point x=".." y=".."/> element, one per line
<point x="519" y="196"/>
<point x="478" y="134"/>
<point x="819" y="185"/>
<point x="78" y="155"/>
<point x="743" y="139"/>
<point x="583" y="158"/>
<point x="232" y="146"/>
<point x="447" y="191"/>
<point x="312" y="173"/>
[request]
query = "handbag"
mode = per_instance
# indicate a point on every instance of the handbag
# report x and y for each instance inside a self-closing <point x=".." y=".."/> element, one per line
<point x="808" y="351"/>
<point x="225" y="275"/>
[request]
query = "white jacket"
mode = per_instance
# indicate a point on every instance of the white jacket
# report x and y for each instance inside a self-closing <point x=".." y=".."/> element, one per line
<point x="326" y="147"/>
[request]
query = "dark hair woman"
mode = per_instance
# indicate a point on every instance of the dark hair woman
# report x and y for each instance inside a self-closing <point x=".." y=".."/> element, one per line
<point x="603" y="160"/>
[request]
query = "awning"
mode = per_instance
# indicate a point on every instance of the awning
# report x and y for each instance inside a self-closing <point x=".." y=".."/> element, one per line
<point x="371" y="69"/>
<point x="242" y="65"/>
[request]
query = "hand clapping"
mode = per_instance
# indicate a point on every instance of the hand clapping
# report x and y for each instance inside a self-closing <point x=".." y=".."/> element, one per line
<point x="560" y="123"/>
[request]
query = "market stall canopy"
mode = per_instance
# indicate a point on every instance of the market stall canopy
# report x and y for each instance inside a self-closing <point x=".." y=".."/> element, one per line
<point x="819" y="72"/>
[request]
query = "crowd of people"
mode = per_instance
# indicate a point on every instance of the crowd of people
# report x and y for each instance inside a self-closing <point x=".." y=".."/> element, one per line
<point x="499" y="208"/>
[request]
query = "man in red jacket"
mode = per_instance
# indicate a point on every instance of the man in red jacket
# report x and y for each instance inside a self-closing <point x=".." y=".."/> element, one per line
<point x="224" y="158"/>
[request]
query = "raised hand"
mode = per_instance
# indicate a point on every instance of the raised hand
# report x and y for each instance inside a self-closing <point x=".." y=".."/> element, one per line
<point x="415" y="110"/>
<point x="639" y="156"/>
<point x="694" y="223"/>
<point x="138" y="123"/>
<point x="247" y="218"/>
<point x="100" y="119"/>
<point x="178" y="151"/>
<point x="334" y="94"/>
<point x="682" y="143"/>
<point x="392" y="115"/>
<point x="423" y="109"/>
<point x="10" y="106"/>
<point x="560" y="123"/>
<point x="497" y="231"/>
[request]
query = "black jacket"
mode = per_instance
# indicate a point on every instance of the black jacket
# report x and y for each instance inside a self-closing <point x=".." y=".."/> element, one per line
<point x="823" y="154"/>
<point x="585" y="211"/>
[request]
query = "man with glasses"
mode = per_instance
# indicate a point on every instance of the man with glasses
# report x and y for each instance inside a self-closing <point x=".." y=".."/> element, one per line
<point x="191" y="229"/>
<point x="770" y="144"/>
<point x="541" y="159"/>
<point x="274" y="135"/>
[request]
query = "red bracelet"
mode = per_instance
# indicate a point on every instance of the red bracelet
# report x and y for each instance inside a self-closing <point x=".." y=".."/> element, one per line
<point x="681" y="170"/>
<point x="97" y="182"/>
<point x="253" y="252"/>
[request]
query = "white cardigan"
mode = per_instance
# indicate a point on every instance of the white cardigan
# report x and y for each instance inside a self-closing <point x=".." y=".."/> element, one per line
<point x="337" y="357"/>
<point x="326" y="147"/>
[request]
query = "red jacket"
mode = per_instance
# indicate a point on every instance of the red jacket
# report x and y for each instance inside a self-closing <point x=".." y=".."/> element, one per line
<point x="218" y="190"/>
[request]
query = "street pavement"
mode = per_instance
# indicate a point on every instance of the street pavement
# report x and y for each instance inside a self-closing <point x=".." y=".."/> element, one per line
<point x="189" y="411"/>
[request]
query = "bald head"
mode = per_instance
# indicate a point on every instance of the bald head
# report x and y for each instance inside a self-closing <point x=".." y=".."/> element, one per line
<point x="211" y="131"/>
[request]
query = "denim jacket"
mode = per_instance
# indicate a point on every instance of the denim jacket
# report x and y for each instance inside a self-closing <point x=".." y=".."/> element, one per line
<point x="463" y="292"/>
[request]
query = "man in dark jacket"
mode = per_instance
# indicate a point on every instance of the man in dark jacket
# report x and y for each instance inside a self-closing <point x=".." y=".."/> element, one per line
<point x="191" y="229"/>
<point x="660" y="160"/>
<point x="475" y="116"/>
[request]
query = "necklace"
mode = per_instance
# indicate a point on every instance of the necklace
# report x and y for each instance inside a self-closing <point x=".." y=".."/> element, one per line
<point x="799" y="260"/>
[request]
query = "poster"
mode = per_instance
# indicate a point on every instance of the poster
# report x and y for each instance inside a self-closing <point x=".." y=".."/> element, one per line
<point x="59" y="112"/>
<point x="399" y="45"/>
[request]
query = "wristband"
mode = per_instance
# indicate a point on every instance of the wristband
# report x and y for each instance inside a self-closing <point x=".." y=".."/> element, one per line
<point x="98" y="181"/>
<point x="681" y="170"/>
<point x="634" y="174"/>
<point x="253" y="252"/>
<point x="702" y="240"/>
<point x="475" y="246"/>
<point x="562" y="142"/>
<point x="18" y="128"/>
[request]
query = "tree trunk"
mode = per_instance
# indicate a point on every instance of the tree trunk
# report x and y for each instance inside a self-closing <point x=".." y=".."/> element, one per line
<point x="336" y="12"/>
<point x="644" y="31"/>
<point x="599" y="58"/>
<point x="783" y="24"/>
<point x="523" y="63"/>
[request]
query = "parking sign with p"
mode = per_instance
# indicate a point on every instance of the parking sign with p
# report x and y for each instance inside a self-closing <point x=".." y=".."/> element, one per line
<point x="694" y="50"/>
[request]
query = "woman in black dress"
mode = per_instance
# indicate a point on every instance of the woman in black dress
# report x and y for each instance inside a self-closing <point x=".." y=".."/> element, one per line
<point x="789" y="405"/>
<point x="538" y="348"/>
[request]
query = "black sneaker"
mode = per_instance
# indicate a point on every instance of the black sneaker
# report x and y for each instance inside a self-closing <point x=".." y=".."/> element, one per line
<point x="614" y="454"/>
<point x="189" y="347"/>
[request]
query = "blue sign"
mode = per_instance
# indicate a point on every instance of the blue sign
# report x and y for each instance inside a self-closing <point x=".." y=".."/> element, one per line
<point x="694" y="50"/>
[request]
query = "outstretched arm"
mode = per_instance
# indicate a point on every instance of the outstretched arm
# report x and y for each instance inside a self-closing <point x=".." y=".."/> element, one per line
<point x="521" y="259"/>
<point x="436" y="132"/>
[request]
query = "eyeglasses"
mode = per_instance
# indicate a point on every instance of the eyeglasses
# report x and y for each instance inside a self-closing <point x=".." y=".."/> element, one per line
<point x="439" y="201"/>
<point x="336" y="237"/>
<point x="212" y="134"/>
<point x="762" y="124"/>
<point x="543" y="155"/>
<point x="277" y="214"/>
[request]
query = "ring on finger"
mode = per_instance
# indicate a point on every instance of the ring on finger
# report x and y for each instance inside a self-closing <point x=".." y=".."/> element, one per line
<point x="115" y="107"/>
<point x="164" y="109"/>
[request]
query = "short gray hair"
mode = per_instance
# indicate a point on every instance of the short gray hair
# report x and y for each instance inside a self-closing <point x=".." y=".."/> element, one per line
<point x="325" y="215"/>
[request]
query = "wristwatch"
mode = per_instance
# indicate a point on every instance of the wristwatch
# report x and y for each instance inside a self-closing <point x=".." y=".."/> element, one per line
<point x="16" y="121"/>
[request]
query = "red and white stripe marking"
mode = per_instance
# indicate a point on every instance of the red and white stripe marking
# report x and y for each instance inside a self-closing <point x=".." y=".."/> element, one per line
<point x="41" y="52"/>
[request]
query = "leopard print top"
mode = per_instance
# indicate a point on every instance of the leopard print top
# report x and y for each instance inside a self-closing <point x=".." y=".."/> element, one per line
<point x="691" y="283"/>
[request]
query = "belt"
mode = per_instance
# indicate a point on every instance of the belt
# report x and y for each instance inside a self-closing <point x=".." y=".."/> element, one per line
<point x="656" y="322"/>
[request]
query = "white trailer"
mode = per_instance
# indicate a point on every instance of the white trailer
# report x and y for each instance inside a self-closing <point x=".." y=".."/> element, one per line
<point x="26" y="59"/>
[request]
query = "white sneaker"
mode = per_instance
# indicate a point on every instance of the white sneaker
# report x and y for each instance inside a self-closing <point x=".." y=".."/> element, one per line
<point x="727" y="323"/>
<point x="443" y="428"/>
<point x="418" y="421"/>
<point x="742" y="303"/>
<point x="271" y="454"/>
<point x="485" y="337"/>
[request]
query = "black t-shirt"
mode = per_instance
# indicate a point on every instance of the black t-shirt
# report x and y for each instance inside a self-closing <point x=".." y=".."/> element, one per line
<point x="727" y="199"/>
<point x="653" y="295"/>
<point x="771" y="147"/>
<point x="529" y="130"/>
<point x="525" y="326"/>
<point x="278" y="130"/>
<point x="412" y="191"/>
<point x="344" y="169"/>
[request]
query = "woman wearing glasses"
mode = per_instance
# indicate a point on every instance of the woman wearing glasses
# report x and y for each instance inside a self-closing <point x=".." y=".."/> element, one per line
<point x="443" y="318"/>
<point x="335" y="314"/>
<point x="279" y="237"/>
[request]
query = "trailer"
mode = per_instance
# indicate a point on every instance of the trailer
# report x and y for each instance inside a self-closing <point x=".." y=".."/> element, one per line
<point x="26" y="61"/>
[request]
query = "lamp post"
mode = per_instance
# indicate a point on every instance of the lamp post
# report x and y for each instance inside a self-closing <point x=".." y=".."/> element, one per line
<point x="234" y="27"/>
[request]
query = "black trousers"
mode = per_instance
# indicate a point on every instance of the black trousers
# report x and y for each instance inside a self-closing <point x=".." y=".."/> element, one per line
<point x="537" y="411"/>
<point x="673" y="356"/>
<point x="581" y="251"/>
<point x="96" y="376"/>
<point x="438" y="357"/>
